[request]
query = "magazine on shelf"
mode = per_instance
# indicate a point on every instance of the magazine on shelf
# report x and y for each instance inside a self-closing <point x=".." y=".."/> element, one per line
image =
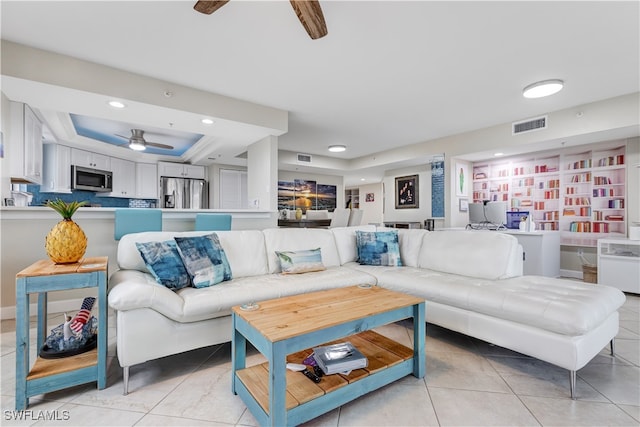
<point x="337" y="358"/>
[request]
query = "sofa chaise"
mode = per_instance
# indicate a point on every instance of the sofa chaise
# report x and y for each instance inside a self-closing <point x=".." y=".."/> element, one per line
<point x="471" y="281"/>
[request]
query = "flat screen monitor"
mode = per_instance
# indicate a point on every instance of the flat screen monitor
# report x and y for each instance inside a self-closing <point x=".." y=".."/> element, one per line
<point x="490" y="215"/>
<point x="514" y="218"/>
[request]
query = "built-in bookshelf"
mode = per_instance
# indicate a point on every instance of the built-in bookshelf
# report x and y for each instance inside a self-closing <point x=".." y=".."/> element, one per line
<point x="352" y="198"/>
<point x="580" y="191"/>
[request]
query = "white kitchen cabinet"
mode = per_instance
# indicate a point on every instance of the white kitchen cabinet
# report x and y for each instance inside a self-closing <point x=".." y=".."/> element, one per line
<point x="146" y="181"/>
<point x="56" y="169"/>
<point x="181" y="170"/>
<point x="619" y="264"/>
<point x="26" y="144"/>
<point x="124" y="178"/>
<point x="90" y="160"/>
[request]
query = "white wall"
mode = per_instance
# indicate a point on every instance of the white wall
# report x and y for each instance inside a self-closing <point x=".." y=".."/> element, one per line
<point x="424" y="195"/>
<point x="372" y="210"/>
<point x="452" y="211"/>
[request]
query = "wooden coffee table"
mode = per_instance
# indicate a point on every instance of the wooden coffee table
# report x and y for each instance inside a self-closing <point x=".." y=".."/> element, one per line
<point x="285" y="329"/>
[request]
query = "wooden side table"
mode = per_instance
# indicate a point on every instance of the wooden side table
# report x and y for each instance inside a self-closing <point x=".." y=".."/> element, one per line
<point x="54" y="374"/>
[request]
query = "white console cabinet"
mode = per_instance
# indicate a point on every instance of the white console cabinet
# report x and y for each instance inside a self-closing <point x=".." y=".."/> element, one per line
<point x="619" y="264"/>
<point x="541" y="252"/>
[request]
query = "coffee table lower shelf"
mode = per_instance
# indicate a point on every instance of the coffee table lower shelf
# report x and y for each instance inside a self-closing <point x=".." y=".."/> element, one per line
<point x="388" y="361"/>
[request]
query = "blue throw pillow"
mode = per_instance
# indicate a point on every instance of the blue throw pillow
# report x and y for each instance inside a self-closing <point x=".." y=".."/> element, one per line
<point x="165" y="264"/>
<point x="293" y="262"/>
<point x="204" y="259"/>
<point x="378" y="248"/>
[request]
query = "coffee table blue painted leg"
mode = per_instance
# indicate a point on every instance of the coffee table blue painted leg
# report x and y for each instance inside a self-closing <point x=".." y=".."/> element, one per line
<point x="277" y="384"/>
<point x="238" y="352"/>
<point x="419" y="332"/>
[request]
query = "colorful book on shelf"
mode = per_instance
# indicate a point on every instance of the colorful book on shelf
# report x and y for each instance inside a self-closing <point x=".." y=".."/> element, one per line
<point x="337" y="358"/>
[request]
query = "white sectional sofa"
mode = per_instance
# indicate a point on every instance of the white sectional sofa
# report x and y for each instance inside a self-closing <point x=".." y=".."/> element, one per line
<point x="471" y="281"/>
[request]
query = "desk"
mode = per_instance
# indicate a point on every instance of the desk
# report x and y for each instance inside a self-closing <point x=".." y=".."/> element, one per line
<point x="304" y="223"/>
<point x="54" y="374"/>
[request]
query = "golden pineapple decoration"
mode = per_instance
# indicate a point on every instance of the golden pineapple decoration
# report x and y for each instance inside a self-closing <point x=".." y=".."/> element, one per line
<point x="66" y="242"/>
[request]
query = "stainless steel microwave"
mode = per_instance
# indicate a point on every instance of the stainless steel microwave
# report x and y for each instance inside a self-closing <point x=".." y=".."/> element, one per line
<point x="91" y="179"/>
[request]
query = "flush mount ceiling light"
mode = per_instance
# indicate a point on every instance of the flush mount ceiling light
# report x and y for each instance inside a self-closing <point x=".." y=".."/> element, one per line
<point x="207" y="121"/>
<point x="498" y="154"/>
<point x="138" y="146"/>
<point x="543" y="88"/>
<point x="116" y="104"/>
<point x="337" y="148"/>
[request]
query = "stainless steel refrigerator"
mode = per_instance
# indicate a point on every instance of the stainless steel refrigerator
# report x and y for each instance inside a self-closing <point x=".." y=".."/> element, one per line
<point x="183" y="193"/>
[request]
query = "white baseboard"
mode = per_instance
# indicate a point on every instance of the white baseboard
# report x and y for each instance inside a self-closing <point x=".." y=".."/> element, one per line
<point x="69" y="305"/>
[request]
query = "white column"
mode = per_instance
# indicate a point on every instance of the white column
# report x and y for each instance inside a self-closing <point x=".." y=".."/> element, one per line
<point x="262" y="173"/>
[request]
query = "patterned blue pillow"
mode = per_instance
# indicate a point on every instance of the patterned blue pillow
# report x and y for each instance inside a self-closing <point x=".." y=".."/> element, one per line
<point x="293" y="262"/>
<point x="164" y="262"/>
<point x="204" y="259"/>
<point x="378" y="248"/>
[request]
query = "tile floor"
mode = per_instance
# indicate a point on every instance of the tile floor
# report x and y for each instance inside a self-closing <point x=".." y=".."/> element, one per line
<point x="468" y="382"/>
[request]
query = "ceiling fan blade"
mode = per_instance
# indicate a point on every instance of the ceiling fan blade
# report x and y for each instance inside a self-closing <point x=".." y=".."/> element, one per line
<point x="310" y="15"/>
<point x="158" y="145"/>
<point x="208" y="7"/>
<point x="121" y="136"/>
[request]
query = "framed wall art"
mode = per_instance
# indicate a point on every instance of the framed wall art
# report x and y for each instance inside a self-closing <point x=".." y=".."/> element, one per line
<point x="462" y="179"/>
<point x="407" y="192"/>
<point x="463" y="205"/>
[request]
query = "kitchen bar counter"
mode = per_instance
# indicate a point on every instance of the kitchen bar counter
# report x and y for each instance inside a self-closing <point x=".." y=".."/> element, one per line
<point x="23" y="231"/>
<point x="35" y="212"/>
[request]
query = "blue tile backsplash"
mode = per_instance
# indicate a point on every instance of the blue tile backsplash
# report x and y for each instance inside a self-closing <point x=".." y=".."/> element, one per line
<point x="39" y="199"/>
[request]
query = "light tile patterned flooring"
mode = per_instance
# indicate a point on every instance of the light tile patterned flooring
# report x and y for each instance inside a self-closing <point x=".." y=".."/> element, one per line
<point x="468" y="382"/>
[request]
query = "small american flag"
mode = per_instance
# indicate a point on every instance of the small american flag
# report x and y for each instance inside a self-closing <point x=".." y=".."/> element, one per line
<point x="78" y="322"/>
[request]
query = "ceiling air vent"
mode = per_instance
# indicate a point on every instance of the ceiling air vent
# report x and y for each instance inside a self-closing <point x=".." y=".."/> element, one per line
<point x="306" y="158"/>
<point x="529" y="125"/>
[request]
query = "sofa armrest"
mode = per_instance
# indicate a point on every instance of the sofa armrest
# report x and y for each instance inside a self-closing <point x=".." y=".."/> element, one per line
<point x="132" y="289"/>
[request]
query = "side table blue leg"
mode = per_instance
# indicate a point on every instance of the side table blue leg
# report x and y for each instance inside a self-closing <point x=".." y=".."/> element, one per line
<point x="42" y="319"/>
<point x="103" y="330"/>
<point x="22" y="344"/>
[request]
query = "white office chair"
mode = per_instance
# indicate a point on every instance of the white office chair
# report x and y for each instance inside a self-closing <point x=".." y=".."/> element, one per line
<point x="340" y="218"/>
<point x="355" y="218"/>
<point x="317" y="214"/>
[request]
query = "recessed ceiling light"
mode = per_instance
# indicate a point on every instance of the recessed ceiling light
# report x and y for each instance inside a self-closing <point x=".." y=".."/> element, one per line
<point x="207" y="121"/>
<point x="363" y="179"/>
<point x="543" y="88"/>
<point x="499" y="154"/>
<point x="116" y="104"/>
<point x="337" y="148"/>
